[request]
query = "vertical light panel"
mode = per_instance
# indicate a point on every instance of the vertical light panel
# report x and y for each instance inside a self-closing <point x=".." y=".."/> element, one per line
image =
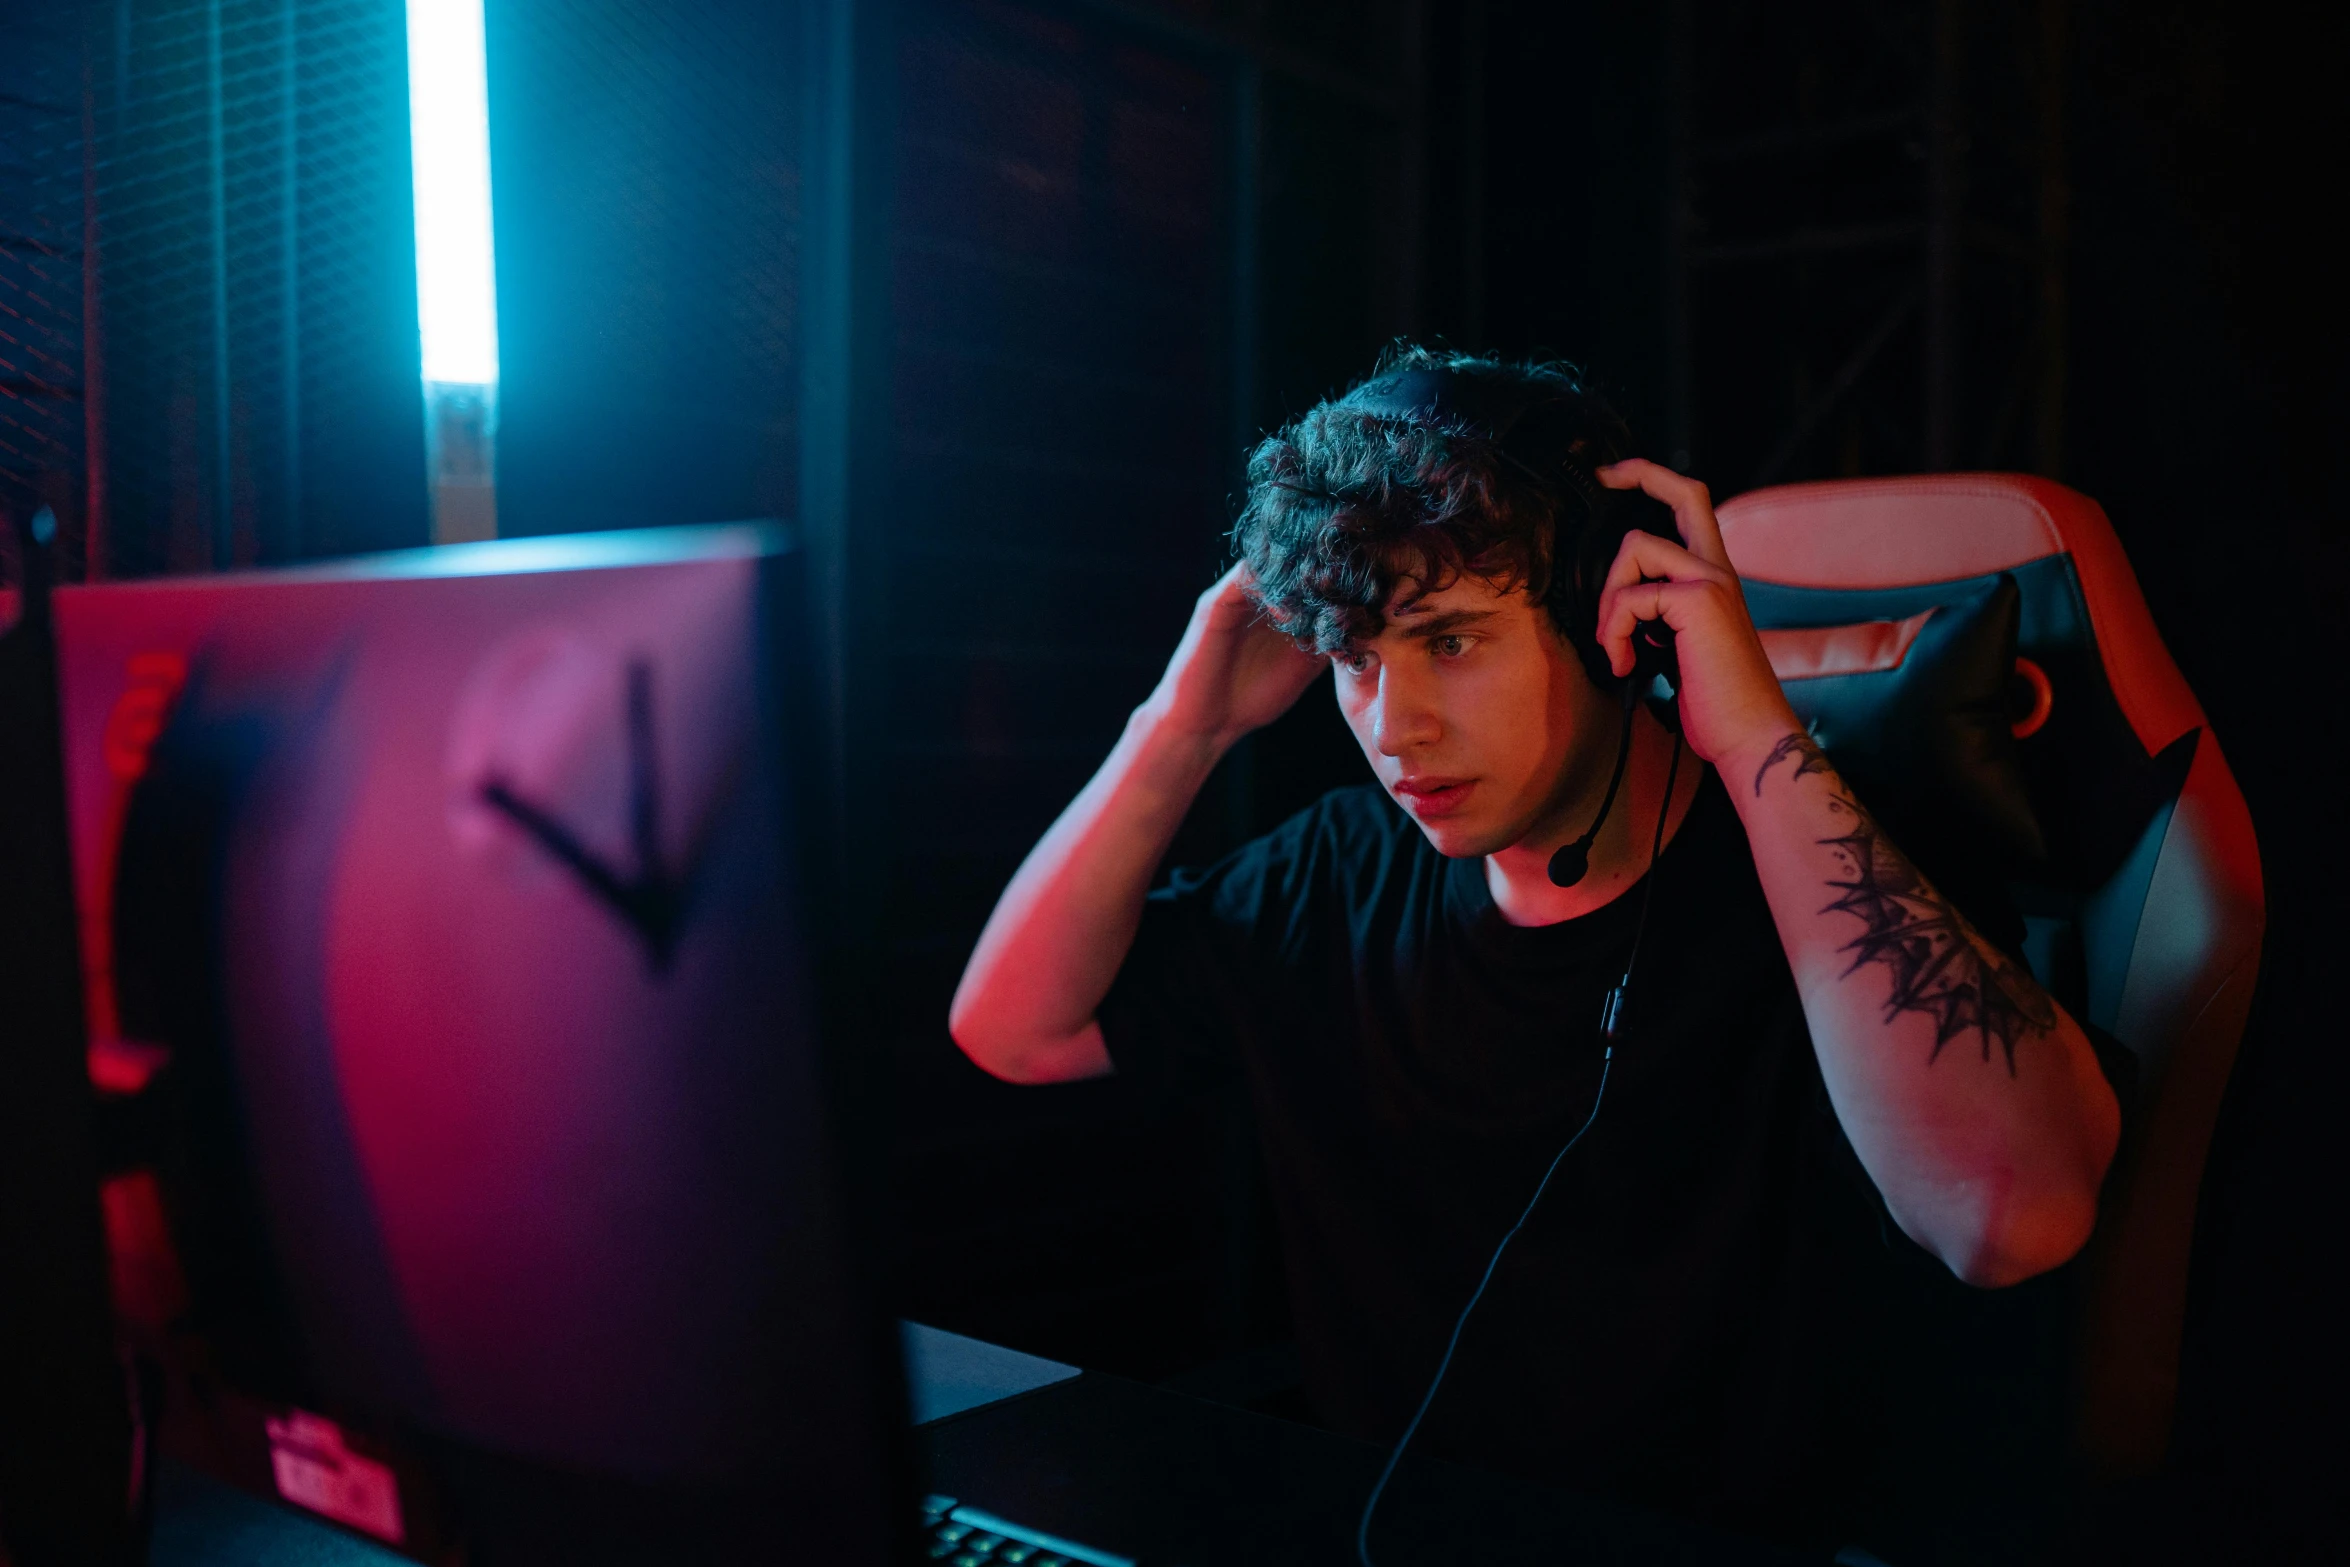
<point x="449" y="137"/>
<point x="456" y="274"/>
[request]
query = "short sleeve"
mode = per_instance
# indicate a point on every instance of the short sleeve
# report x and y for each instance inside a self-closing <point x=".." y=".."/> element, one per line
<point x="1196" y="981"/>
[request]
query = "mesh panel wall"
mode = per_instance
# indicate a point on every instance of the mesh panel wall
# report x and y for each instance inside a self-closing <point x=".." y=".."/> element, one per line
<point x="647" y="185"/>
<point x="41" y="391"/>
<point x="260" y="347"/>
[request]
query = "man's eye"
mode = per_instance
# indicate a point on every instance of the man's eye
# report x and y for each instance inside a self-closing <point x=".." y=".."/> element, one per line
<point x="1354" y="663"/>
<point x="1449" y="647"/>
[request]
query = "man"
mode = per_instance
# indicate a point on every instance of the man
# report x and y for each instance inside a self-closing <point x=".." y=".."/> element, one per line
<point x="1823" y="1077"/>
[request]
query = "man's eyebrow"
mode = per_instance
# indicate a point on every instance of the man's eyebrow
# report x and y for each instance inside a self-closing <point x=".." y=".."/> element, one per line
<point x="1444" y="623"/>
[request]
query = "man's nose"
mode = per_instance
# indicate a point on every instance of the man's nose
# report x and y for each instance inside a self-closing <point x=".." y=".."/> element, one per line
<point x="1401" y="715"/>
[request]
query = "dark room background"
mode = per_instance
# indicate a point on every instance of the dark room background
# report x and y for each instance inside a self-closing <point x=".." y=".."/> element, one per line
<point x="990" y="297"/>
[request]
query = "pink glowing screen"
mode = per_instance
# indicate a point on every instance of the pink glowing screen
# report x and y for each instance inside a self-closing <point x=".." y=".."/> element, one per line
<point x="472" y="867"/>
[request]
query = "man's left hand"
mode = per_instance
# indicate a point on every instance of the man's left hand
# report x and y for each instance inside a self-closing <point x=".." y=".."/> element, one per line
<point x="1731" y="703"/>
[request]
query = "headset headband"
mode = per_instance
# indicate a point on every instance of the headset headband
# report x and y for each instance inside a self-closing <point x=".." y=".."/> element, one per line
<point x="1492" y="404"/>
<point x="1542" y="449"/>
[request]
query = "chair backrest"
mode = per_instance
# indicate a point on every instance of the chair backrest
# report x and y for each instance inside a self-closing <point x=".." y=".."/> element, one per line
<point x="2150" y="921"/>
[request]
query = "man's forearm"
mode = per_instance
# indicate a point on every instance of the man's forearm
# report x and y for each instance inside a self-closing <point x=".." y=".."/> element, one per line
<point x="1025" y="1007"/>
<point x="1975" y="1103"/>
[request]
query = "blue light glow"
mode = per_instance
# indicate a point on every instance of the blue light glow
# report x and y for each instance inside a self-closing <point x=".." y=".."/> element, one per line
<point x="749" y="540"/>
<point x="449" y="138"/>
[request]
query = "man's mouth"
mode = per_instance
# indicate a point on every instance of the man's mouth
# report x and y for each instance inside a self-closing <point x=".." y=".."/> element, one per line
<point x="1429" y="796"/>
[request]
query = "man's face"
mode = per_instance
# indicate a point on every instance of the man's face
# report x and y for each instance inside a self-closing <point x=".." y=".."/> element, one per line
<point x="1476" y="714"/>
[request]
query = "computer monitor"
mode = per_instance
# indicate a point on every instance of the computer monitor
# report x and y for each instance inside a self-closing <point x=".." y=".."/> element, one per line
<point x="460" y="886"/>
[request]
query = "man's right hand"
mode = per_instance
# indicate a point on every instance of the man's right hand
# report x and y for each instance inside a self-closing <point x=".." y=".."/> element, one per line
<point x="1025" y="1009"/>
<point x="1234" y="671"/>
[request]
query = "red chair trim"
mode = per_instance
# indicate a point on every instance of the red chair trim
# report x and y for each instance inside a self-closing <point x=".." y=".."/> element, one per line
<point x="1877" y="533"/>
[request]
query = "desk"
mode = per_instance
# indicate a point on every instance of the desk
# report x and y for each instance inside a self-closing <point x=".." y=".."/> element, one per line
<point x="1153" y="1474"/>
<point x="1132" y="1468"/>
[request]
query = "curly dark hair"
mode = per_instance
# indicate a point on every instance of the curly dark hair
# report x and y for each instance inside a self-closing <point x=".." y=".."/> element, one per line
<point x="1346" y="504"/>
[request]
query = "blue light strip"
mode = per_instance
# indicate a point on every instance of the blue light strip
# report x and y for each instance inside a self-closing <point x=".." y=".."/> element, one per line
<point x="449" y="140"/>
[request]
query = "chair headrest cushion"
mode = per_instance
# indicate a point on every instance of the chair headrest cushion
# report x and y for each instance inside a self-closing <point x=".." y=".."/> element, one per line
<point x="1917" y="714"/>
<point x="2090" y="782"/>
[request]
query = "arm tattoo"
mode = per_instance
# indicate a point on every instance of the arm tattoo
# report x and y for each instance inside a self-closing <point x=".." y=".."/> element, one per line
<point x="1809" y="758"/>
<point x="1938" y="964"/>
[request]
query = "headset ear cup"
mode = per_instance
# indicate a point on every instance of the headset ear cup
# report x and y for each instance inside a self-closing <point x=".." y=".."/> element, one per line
<point x="1595" y="662"/>
<point x="1601" y="536"/>
<point x="1574" y="605"/>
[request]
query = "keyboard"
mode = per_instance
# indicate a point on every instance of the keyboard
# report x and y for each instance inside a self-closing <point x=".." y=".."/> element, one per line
<point x="962" y="1536"/>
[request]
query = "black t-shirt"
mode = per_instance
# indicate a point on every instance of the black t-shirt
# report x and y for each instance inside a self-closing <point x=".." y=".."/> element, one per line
<point x="1710" y="1312"/>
